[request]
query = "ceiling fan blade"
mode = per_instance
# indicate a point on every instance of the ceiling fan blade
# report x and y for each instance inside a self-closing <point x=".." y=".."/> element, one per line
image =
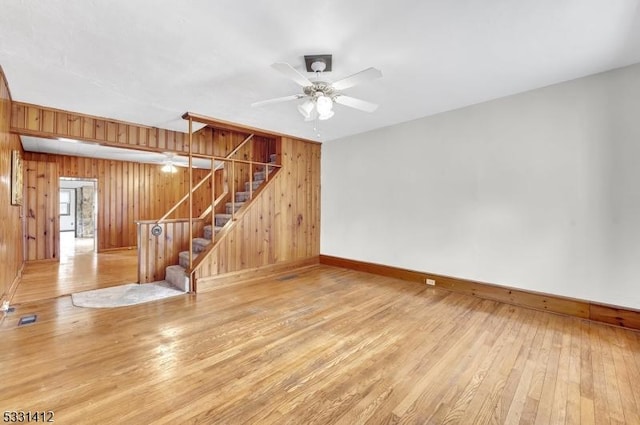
<point x="352" y="102"/>
<point x="277" y="100"/>
<point x="292" y="73"/>
<point x="357" y="78"/>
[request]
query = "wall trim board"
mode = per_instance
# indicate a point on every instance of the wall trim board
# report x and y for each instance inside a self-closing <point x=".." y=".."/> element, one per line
<point x="206" y="284"/>
<point x="51" y="123"/>
<point x="228" y="125"/>
<point x="14" y="285"/>
<point x="43" y="260"/>
<point x="583" y="309"/>
<point x="121" y="248"/>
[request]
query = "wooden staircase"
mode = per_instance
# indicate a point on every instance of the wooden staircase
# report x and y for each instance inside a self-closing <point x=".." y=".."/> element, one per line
<point x="177" y="274"/>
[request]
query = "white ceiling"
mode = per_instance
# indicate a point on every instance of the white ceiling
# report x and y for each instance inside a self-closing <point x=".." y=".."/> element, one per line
<point x="149" y="61"/>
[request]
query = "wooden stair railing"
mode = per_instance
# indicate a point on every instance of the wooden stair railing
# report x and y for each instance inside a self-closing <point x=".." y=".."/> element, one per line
<point x="202" y="256"/>
<point x="155" y="227"/>
<point x="204" y="180"/>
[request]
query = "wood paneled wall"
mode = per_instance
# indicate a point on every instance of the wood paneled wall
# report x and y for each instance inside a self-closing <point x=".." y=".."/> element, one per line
<point x="129" y="192"/>
<point x="42" y="121"/>
<point x="281" y="225"/>
<point x="51" y="123"/>
<point x="157" y="252"/>
<point x="42" y="210"/>
<point x="11" y="242"/>
<point x="222" y="142"/>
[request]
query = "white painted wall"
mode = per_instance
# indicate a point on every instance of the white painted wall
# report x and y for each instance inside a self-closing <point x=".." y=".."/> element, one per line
<point x="539" y="190"/>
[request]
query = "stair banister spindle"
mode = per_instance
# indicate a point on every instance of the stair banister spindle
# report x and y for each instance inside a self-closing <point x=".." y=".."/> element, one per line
<point x="213" y="197"/>
<point x="233" y="189"/>
<point x="251" y="180"/>
<point x="191" y="193"/>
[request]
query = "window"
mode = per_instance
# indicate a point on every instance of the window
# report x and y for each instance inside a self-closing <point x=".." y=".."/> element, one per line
<point x="65" y="202"/>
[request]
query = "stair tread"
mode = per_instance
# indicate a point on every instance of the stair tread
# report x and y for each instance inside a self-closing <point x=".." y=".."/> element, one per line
<point x="176" y="268"/>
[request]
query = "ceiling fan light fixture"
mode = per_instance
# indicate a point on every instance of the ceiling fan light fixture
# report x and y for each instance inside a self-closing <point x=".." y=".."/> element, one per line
<point x="169" y="168"/>
<point x="324" y="104"/>
<point x="306" y="108"/>
<point x="323" y="117"/>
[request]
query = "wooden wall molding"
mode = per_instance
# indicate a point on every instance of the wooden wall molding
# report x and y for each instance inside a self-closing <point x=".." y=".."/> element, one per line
<point x="227" y="125"/>
<point x="597" y="312"/>
<point x="234" y="278"/>
<point x="217" y="138"/>
<point x="8" y="296"/>
<point x="51" y="123"/>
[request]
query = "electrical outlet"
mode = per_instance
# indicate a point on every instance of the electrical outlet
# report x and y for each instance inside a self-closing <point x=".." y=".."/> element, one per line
<point x="430" y="282"/>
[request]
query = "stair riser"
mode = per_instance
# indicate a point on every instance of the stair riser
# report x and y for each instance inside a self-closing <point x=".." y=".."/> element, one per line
<point x="256" y="184"/>
<point x="184" y="262"/>
<point x="229" y="208"/>
<point x="199" y="246"/>
<point x="184" y="258"/>
<point x="177" y="277"/>
<point x="221" y="221"/>
<point x="207" y="232"/>
<point x="242" y="196"/>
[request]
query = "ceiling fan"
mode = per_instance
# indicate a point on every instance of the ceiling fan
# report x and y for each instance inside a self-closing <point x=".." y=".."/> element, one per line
<point x="321" y="95"/>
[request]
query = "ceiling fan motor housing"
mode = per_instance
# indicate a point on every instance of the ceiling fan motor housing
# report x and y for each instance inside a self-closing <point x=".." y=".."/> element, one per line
<point x="320" y="88"/>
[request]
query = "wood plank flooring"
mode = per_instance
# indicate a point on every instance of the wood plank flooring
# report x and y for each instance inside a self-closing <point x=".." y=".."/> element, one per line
<point x="83" y="271"/>
<point x="327" y="346"/>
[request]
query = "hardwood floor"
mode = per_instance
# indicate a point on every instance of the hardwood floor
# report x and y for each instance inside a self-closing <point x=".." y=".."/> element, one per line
<point x="82" y="271"/>
<point x="327" y="346"/>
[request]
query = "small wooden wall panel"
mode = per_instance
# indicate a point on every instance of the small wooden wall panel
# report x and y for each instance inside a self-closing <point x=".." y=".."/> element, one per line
<point x="42" y="207"/>
<point x="158" y="252"/>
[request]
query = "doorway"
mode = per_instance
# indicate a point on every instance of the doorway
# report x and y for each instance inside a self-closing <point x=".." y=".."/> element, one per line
<point x="78" y="221"/>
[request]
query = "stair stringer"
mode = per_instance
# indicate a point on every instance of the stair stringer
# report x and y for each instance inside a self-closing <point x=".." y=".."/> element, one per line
<point x="232" y="227"/>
